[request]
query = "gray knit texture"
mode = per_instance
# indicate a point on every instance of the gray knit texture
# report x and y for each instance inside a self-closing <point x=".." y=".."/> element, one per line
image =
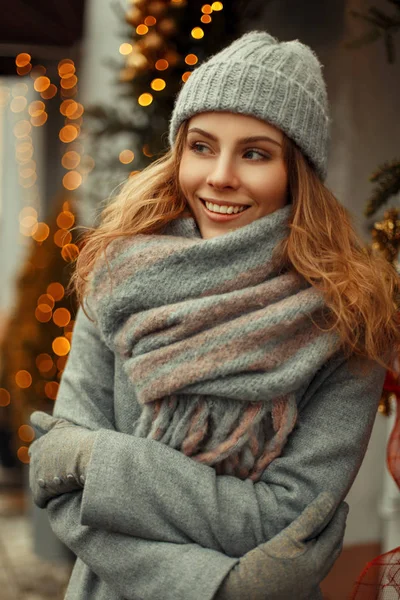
<point x="278" y="82"/>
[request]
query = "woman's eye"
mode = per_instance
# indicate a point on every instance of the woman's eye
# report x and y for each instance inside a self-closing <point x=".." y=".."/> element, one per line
<point x="260" y="155"/>
<point x="197" y="147"/>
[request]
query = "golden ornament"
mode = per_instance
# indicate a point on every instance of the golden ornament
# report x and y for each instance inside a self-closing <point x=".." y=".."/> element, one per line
<point x="386" y="235"/>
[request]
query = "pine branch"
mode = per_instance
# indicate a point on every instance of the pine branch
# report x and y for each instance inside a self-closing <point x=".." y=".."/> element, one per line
<point x="387" y="177"/>
<point x="383" y="25"/>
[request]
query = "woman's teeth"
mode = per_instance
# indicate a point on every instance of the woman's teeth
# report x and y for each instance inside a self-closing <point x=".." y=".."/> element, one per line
<point x="224" y="209"/>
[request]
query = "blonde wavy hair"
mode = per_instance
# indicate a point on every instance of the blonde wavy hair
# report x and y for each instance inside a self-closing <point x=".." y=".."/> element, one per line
<point x="360" y="288"/>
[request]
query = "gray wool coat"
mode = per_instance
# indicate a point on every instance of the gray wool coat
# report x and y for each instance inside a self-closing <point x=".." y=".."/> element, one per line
<point x="153" y="524"/>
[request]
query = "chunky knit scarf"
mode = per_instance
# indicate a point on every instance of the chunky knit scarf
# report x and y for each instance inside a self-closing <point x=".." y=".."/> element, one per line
<point x="216" y="338"/>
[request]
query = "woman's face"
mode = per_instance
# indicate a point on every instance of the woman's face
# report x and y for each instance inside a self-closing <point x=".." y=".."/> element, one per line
<point x="234" y="161"/>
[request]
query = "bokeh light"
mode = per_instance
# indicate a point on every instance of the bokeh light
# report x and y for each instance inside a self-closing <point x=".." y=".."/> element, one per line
<point x="5" y="397"/>
<point x="205" y="19"/>
<point x="125" y="49"/>
<point x="158" y="84"/>
<point x="65" y="219"/>
<point x="42" y="232"/>
<point x="70" y="160"/>
<point x="191" y="59"/>
<point x="23" y="379"/>
<point x="39" y="120"/>
<point x="26" y="433"/>
<point x="46" y="299"/>
<point x="41" y="84"/>
<point x="72" y="180"/>
<point x="62" y="237"/>
<point x="61" y="346"/>
<point x="217" y="6"/>
<point x="22" y="129"/>
<point x="44" y="363"/>
<point x="18" y="104"/>
<point x="61" y="317"/>
<point x="23" y="455"/>
<point x="56" y="290"/>
<point x="186" y="75"/>
<point x="150" y="20"/>
<point x="197" y="33"/>
<point x="142" y="29"/>
<point x="126" y="156"/>
<point x="145" y="99"/>
<point x="51" y="389"/>
<point x="161" y="64"/>
<point x="69" y="82"/>
<point x="23" y="59"/>
<point x="43" y="313"/>
<point x="70" y="252"/>
<point x="50" y="92"/>
<point x="68" y="133"/>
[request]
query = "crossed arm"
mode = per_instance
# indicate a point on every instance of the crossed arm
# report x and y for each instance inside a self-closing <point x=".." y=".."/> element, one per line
<point x="146" y="491"/>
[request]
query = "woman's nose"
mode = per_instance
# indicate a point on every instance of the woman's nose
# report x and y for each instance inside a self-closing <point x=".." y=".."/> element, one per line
<point x="223" y="174"/>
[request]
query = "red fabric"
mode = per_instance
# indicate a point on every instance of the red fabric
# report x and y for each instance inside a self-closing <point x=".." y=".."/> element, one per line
<point x="380" y="579"/>
<point x="393" y="447"/>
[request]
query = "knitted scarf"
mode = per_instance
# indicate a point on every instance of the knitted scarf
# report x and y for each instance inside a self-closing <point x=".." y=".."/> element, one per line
<point x="216" y="338"/>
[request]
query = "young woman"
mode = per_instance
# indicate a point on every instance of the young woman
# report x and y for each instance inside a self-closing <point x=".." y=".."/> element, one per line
<point x="228" y="357"/>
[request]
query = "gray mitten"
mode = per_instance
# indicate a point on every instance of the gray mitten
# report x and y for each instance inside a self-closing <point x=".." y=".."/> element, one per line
<point x="294" y="562"/>
<point x="59" y="458"/>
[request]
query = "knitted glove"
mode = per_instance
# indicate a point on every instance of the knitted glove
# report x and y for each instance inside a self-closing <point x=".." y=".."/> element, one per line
<point x="291" y="565"/>
<point x="59" y="458"/>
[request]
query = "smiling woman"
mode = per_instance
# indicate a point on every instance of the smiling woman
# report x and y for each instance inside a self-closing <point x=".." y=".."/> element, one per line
<point x="226" y="367"/>
<point x="235" y="161"/>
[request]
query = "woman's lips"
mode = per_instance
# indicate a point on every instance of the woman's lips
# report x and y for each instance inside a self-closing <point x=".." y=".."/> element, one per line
<point x="220" y="217"/>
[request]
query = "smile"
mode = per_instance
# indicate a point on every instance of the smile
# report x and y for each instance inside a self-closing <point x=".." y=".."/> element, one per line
<point x="227" y="215"/>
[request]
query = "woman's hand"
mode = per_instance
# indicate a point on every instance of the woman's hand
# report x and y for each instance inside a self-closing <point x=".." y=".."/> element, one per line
<point x="294" y="562"/>
<point x="59" y="458"/>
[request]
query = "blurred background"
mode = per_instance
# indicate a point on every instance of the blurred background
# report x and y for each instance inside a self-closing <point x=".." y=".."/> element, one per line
<point x="86" y="90"/>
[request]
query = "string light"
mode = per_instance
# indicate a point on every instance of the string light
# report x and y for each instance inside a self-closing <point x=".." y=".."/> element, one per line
<point x="191" y="59"/>
<point x="125" y="49"/>
<point x="142" y="29"/>
<point x="61" y="346"/>
<point x="41" y="84"/>
<point x="158" y="84"/>
<point x="197" y="33"/>
<point x="126" y="157"/>
<point x="72" y="180"/>
<point x="23" y="59"/>
<point x="161" y="64"/>
<point x="26" y="433"/>
<point x="5" y="397"/>
<point x="61" y="317"/>
<point x="23" y="379"/>
<point x="145" y="99"/>
<point x="56" y="290"/>
<point x="51" y="389"/>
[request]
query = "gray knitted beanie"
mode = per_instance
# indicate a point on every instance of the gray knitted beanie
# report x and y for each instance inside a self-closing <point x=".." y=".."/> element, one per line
<point x="278" y="82"/>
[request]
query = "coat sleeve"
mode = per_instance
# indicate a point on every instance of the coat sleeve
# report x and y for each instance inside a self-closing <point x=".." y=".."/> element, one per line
<point x="133" y="567"/>
<point x="145" y="489"/>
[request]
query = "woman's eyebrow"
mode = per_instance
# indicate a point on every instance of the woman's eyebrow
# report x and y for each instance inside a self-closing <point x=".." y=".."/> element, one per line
<point x="246" y="140"/>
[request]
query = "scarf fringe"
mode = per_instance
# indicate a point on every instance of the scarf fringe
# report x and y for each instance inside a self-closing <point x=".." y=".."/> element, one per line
<point x="237" y="445"/>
